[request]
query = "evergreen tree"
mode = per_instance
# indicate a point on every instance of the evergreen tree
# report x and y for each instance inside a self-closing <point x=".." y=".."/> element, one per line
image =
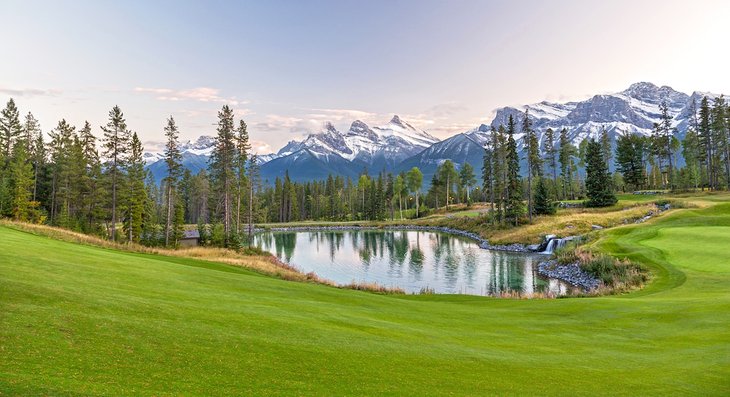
<point x="543" y="204"/>
<point x="488" y="171"/>
<point x="136" y="194"/>
<point x="499" y="170"/>
<point x="534" y="163"/>
<point x="21" y="175"/>
<point x="720" y="141"/>
<point x="116" y="148"/>
<point x="606" y="146"/>
<point x="565" y="157"/>
<point x="513" y="206"/>
<point x="254" y="184"/>
<point x="692" y="152"/>
<point x="551" y="156"/>
<point x="10" y="129"/>
<point x="222" y="170"/>
<point x="242" y="149"/>
<point x="62" y="138"/>
<point x="704" y="128"/>
<point x="630" y="151"/>
<point x="599" y="186"/>
<point x="173" y="161"/>
<point x="666" y="133"/>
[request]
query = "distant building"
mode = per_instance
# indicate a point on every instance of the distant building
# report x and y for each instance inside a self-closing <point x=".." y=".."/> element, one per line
<point x="191" y="238"/>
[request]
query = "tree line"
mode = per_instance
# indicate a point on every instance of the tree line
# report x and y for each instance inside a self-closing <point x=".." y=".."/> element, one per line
<point x="71" y="180"/>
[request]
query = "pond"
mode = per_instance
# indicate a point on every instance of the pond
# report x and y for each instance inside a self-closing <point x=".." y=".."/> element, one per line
<point x="411" y="260"/>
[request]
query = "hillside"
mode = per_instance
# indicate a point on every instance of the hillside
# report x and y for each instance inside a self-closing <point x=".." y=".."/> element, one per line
<point x="82" y="320"/>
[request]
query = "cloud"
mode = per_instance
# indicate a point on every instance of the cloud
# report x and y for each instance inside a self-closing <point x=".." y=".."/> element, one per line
<point x="340" y="114"/>
<point x="29" y="92"/>
<point x="261" y="147"/>
<point x="199" y="94"/>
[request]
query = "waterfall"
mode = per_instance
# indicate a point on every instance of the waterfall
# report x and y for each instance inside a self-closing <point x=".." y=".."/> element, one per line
<point x="553" y="243"/>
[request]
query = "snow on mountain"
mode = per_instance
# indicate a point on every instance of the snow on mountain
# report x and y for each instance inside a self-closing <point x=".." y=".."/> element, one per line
<point x="398" y="145"/>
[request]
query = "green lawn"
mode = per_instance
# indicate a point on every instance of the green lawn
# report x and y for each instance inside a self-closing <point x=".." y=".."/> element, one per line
<point x="80" y="320"/>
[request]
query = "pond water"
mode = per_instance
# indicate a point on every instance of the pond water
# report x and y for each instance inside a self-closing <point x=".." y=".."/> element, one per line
<point x="411" y="260"/>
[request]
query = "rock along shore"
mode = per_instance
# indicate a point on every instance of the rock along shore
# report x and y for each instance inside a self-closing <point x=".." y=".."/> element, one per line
<point x="572" y="274"/>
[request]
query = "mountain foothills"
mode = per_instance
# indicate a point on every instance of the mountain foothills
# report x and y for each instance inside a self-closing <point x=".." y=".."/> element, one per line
<point x="530" y="157"/>
<point x="398" y="146"/>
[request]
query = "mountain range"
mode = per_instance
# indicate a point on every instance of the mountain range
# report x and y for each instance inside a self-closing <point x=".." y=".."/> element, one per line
<point x="398" y="146"/>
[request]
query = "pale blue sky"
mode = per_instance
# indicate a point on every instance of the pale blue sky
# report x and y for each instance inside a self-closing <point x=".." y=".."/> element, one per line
<point x="289" y="66"/>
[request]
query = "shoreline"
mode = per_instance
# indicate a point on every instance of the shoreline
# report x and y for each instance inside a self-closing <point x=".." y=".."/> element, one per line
<point x="570" y="274"/>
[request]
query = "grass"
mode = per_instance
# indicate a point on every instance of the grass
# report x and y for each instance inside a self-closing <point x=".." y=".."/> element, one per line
<point x="82" y="320"/>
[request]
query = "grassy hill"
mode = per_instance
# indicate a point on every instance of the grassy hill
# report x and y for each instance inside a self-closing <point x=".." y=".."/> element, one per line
<point x="83" y="320"/>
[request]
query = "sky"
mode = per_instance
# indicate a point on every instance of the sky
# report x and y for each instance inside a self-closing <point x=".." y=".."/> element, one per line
<point x="287" y="67"/>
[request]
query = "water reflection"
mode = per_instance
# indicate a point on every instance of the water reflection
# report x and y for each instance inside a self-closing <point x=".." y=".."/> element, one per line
<point x="411" y="260"/>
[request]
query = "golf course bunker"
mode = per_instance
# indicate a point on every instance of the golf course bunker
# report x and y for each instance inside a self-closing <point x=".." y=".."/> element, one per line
<point x="414" y="261"/>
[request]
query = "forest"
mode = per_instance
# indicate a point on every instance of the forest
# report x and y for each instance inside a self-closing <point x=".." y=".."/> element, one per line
<point x="99" y="185"/>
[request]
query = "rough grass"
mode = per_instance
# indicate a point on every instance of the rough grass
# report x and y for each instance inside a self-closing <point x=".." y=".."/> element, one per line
<point x="615" y="275"/>
<point x="82" y="320"/>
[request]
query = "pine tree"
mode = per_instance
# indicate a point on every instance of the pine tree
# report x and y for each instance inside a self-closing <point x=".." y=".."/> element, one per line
<point x="630" y="152"/>
<point x="222" y="170"/>
<point x="467" y="179"/>
<point x="136" y="198"/>
<point x="534" y="163"/>
<point x="567" y="151"/>
<point x="21" y="175"/>
<point x="488" y="172"/>
<point x="704" y="129"/>
<point x="173" y="161"/>
<point x="720" y="141"/>
<point x="691" y="151"/>
<point x="62" y="138"/>
<point x="414" y="181"/>
<point x="116" y="148"/>
<point x="543" y="203"/>
<point x="254" y="184"/>
<point x="499" y="170"/>
<point x="665" y="127"/>
<point x="242" y="149"/>
<point x="10" y="129"/>
<point x="599" y="187"/>
<point x="551" y="156"/>
<point x="513" y="206"/>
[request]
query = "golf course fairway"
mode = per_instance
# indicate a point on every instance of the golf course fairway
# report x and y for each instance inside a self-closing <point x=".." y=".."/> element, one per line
<point x="82" y="320"/>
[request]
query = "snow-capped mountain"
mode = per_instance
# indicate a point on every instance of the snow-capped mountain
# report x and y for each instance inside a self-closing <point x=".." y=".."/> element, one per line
<point x="399" y="146"/>
<point x="360" y="147"/>
<point x="195" y="157"/>
<point x="632" y="111"/>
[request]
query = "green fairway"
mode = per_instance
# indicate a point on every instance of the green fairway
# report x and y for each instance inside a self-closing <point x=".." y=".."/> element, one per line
<point x="81" y="320"/>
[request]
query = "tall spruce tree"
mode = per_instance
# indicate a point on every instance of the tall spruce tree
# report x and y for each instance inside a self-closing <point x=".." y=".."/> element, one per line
<point x="599" y="186"/>
<point x="242" y="149"/>
<point x="10" y="129"/>
<point x="630" y="152"/>
<point x="115" y="146"/>
<point x="513" y="206"/>
<point x="551" y="156"/>
<point x="534" y="162"/>
<point x="21" y="176"/>
<point x="173" y="162"/>
<point x="565" y="157"/>
<point x="222" y="171"/>
<point x="136" y="198"/>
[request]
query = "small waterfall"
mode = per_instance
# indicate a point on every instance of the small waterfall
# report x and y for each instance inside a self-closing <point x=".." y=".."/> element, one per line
<point x="554" y="243"/>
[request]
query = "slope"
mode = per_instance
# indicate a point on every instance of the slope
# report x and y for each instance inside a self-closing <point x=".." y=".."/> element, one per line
<point x="80" y="320"/>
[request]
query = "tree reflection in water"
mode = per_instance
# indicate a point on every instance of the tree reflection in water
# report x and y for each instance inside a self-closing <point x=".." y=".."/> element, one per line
<point x="442" y="262"/>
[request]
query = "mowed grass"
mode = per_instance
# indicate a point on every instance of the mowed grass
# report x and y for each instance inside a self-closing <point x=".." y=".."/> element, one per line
<point x="82" y="320"/>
